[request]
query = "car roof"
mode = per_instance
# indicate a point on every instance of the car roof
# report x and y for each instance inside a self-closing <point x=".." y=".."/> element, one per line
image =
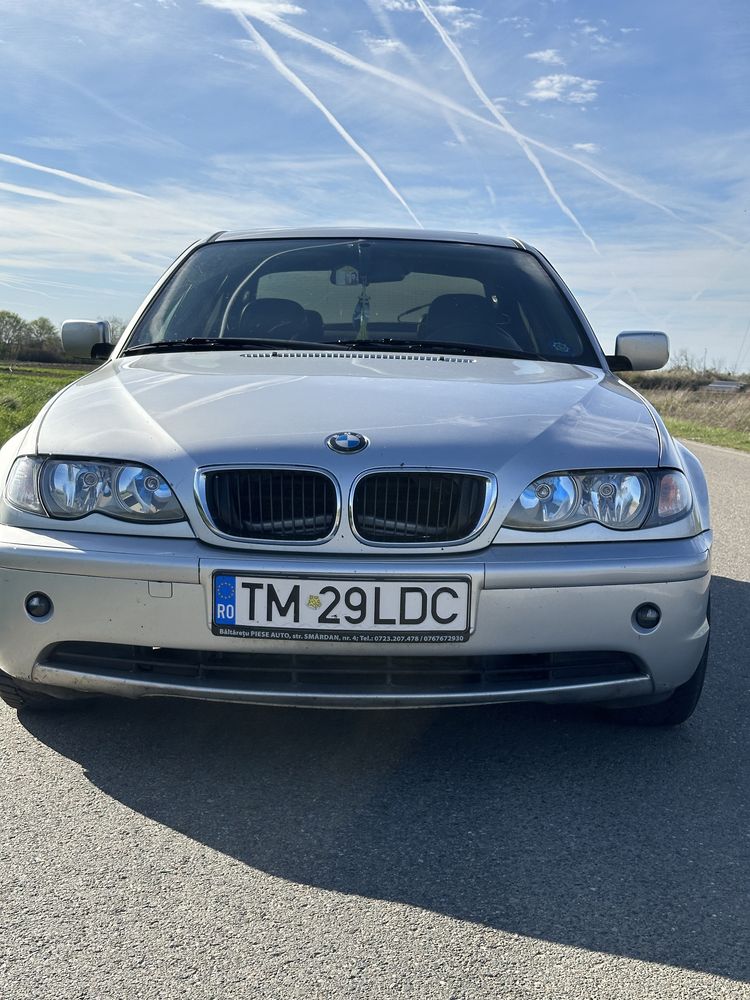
<point x="368" y="232"/>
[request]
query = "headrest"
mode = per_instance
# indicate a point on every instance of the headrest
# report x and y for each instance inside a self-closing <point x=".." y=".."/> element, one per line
<point x="459" y="308"/>
<point x="272" y="318"/>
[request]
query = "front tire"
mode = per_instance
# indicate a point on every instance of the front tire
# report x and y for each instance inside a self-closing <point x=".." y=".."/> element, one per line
<point x="24" y="698"/>
<point x="674" y="710"/>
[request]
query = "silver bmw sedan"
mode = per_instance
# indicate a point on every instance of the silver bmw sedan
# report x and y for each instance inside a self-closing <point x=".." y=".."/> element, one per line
<point x="356" y="468"/>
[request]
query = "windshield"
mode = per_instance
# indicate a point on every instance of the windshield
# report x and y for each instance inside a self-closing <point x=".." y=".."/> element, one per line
<point x="415" y="294"/>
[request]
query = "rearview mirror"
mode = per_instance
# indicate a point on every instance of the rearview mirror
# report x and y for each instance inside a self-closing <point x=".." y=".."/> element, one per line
<point x="639" y="351"/>
<point x="346" y="275"/>
<point x="84" y="338"/>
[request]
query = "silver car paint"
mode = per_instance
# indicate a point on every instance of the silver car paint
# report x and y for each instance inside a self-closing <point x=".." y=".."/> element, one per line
<point x="516" y="420"/>
<point x="574" y="598"/>
<point x="513" y="419"/>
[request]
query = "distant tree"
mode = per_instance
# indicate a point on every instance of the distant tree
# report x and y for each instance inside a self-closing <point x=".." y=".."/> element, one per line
<point x="117" y="326"/>
<point x="14" y="333"/>
<point x="28" y="340"/>
<point x="44" y="334"/>
<point x="12" y="328"/>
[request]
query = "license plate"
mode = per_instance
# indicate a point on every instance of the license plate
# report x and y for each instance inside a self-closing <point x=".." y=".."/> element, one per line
<point x="341" y="610"/>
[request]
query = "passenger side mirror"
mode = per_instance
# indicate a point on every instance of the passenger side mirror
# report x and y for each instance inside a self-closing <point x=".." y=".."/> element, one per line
<point x="639" y="351"/>
<point x="83" y="338"/>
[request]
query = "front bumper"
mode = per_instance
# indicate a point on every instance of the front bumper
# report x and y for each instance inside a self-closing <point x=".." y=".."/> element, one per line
<point x="132" y="593"/>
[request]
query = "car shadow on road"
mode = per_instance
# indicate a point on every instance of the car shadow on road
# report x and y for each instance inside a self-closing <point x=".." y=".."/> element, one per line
<point x="546" y="822"/>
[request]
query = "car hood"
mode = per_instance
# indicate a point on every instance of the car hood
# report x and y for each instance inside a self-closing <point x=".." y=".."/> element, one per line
<point x="177" y="412"/>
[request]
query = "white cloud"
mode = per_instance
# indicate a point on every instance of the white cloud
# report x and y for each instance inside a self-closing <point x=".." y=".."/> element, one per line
<point x="257" y="8"/>
<point x="464" y="23"/>
<point x="459" y="18"/>
<point x="586" y="147"/>
<point x="519" y="23"/>
<point x="381" y="46"/>
<point x="594" y="33"/>
<point x="550" y="57"/>
<point x="564" y="88"/>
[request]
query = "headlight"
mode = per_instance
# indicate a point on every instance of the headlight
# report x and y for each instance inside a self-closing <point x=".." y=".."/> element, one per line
<point x="620" y="500"/>
<point x="72" y="488"/>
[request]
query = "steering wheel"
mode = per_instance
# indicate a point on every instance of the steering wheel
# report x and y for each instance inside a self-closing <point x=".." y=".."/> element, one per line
<point x="413" y="309"/>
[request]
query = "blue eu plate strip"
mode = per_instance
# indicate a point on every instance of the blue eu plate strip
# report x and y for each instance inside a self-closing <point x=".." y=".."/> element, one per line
<point x="224" y="600"/>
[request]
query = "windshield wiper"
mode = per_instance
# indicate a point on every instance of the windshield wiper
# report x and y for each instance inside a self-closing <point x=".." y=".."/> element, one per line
<point x="432" y="347"/>
<point x="334" y="347"/>
<point x="225" y="344"/>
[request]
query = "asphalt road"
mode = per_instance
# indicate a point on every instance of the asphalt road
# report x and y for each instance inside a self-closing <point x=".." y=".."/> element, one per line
<point x="160" y="850"/>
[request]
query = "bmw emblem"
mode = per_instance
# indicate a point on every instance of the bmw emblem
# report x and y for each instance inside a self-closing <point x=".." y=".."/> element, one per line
<point x="347" y="442"/>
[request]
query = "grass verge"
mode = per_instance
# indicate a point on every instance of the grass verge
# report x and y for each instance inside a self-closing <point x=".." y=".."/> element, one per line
<point x="24" y="392"/>
<point x="725" y="437"/>
<point x="708" y="417"/>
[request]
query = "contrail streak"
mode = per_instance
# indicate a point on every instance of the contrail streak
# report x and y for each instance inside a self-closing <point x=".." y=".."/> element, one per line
<point x="28" y="192"/>
<point x="30" y="283"/>
<point x="76" y="178"/>
<point x="99" y="247"/>
<point x="385" y="22"/>
<point x="448" y="115"/>
<point x="8" y="281"/>
<point x="440" y="100"/>
<point x="500" y="117"/>
<point x="710" y="277"/>
<point x="280" y="66"/>
<point x="35" y="65"/>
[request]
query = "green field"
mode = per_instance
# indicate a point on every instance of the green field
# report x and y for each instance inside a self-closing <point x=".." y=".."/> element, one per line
<point x="689" y="411"/>
<point x="24" y="389"/>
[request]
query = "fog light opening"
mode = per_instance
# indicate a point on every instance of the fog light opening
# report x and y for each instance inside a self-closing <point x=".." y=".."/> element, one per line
<point x="38" y="605"/>
<point x="647" y="616"/>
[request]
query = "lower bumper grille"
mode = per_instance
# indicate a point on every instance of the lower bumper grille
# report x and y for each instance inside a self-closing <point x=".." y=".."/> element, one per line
<point x="265" y="672"/>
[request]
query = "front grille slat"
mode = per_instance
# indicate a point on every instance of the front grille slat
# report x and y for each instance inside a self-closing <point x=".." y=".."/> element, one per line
<point x="294" y="505"/>
<point x="419" y="507"/>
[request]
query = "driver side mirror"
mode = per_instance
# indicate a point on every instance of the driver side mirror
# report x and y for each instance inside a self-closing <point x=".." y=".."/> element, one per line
<point x="83" y="338"/>
<point x="639" y="351"/>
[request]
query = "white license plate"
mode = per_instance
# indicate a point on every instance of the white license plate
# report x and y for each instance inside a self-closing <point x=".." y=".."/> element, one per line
<point x="341" y="610"/>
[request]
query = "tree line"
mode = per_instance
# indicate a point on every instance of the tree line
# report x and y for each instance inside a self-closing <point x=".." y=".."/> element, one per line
<point x="36" y="339"/>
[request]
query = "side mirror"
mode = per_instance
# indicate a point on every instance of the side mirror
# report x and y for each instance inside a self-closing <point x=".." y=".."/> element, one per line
<point x="84" y="338"/>
<point x="639" y="351"/>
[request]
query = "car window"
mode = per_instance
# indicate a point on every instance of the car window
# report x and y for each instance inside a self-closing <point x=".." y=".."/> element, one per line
<point x="325" y="291"/>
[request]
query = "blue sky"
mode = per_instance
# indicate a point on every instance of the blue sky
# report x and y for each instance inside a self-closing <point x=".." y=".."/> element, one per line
<point x="615" y="137"/>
